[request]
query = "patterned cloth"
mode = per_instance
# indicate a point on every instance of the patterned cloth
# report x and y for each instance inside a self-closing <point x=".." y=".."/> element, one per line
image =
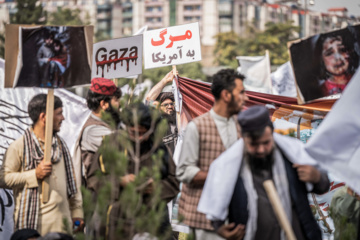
<point x="103" y="86"/>
<point x="210" y="147"/>
<point x="197" y="99"/>
<point x="33" y="154"/>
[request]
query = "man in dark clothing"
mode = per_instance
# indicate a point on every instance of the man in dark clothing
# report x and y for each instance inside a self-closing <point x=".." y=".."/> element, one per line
<point x="267" y="156"/>
<point x="167" y="108"/>
<point x="141" y="150"/>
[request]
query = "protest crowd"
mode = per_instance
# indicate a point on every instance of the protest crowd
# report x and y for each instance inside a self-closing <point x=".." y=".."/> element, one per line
<point x="229" y="173"/>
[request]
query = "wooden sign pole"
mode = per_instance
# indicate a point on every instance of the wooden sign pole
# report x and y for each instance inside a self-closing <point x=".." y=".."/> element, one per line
<point x="178" y="118"/>
<point x="278" y="209"/>
<point x="174" y="69"/>
<point x="48" y="141"/>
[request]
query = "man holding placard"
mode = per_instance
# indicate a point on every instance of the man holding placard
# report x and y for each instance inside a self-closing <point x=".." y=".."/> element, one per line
<point x="24" y="169"/>
<point x="167" y="107"/>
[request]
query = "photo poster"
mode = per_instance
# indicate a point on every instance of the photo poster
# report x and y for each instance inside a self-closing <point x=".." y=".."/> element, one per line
<point x="48" y="56"/>
<point x="172" y="46"/>
<point x="118" y="58"/>
<point x="324" y="64"/>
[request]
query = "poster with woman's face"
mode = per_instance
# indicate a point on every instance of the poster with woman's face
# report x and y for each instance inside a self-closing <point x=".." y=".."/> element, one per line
<point x="52" y="57"/>
<point x="325" y="63"/>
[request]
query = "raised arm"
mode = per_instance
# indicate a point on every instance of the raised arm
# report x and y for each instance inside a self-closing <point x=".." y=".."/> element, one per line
<point x="156" y="90"/>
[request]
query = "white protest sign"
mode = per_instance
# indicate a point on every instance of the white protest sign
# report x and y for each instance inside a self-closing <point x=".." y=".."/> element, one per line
<point x="172" y="46"/>
<point x="117" y="57"/>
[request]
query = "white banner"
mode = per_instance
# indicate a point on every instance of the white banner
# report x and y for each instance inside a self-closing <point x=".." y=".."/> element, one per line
<point x="117" y="58"/>
<point x="172" y="46"/>
<point x="336" y="143"/>
<point x="14" y="120"/>
<point x="257" y="72"/>
<point x="283" y="81"/>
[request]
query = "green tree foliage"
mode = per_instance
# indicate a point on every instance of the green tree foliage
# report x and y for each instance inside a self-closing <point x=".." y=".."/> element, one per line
<point x="65" y="16"/>
<point x="189" y="70"/>
<point x="255" y="43"/>
<point x="102" y="35"/>
<point x="226" y="49"/>
<point x="344" y="229"/>
<point x="29" y="12"/>
<point x="156" y="74"/>
<point x="136" y="213"/>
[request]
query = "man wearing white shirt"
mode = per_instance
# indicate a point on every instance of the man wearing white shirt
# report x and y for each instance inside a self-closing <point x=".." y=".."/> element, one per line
<point x="206" y="137"/>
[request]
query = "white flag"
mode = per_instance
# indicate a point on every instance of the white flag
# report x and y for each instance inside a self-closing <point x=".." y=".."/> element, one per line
<point x="257" y="72"/>
<point x="283" y="81"/>
<point x="336" y="143"/>
<point x="141" y="30"/>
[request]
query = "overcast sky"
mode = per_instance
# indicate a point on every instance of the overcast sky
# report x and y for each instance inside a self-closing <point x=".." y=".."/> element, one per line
<point x="353" y="6"/>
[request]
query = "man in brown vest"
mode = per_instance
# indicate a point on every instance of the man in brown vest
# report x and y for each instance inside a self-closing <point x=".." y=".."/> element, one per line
<point x="206" y="137"/>
<point x="103" y="96"/>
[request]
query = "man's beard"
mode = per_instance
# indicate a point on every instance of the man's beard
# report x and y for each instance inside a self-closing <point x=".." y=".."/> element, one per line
<point x="115" y="115"/>
<point x="264" y="163"/>
<point x="233" y="106"/>
<point x="171" y="118"/>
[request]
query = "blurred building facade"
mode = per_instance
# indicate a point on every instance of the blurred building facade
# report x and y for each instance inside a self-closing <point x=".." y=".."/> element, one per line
<point x="120" y="18"/>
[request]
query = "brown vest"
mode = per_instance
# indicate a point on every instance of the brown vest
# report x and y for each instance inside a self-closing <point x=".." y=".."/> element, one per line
<point x="210" y="147"/>
<point x="90" y="165"/>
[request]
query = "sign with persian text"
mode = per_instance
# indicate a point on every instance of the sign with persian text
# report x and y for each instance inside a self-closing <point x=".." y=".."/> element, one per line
<point x="172" y="46"/>
<point x="117" y="58"/>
